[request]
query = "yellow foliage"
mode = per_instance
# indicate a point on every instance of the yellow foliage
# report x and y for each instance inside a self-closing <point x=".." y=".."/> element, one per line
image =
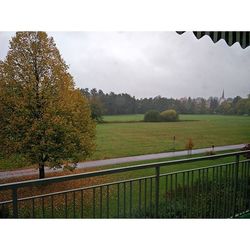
<point x="42" y="115"/>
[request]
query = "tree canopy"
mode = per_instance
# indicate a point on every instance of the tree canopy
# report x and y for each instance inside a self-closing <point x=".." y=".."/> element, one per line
<point x="116" y="104"/>
<point x="169" y="115"/>
<point x="42" y="115"/>
<point x="152" y="116"/>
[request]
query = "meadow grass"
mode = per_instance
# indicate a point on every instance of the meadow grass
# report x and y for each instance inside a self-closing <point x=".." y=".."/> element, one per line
<point x="126" y="135"/>
<point x="131" y="137"/>
<point x="138" y="138"/>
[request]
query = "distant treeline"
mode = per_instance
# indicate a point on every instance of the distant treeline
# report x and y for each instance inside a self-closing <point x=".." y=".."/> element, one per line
<point x="116" y="104"/>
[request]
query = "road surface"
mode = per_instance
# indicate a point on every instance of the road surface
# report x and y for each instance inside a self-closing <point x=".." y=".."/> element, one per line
<point x="99" y="163"/>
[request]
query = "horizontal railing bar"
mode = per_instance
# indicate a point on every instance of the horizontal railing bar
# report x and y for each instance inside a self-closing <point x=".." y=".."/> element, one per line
<point x="6" y="202"/>
<point x="114" y="171"/>
<point x="202" y="168"/>
<point x="118" y="182"/>
<point x="79" y="189"/>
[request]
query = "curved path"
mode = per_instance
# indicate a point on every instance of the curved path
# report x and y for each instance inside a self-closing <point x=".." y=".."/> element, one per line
<point x="98" y="163"/>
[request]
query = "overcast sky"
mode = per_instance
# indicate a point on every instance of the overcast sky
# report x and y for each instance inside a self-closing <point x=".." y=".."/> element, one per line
<point x="147" y="64"/>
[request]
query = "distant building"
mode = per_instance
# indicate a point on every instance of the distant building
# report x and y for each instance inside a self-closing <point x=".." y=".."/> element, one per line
<point x="222" y="99"/>
<point x="183" y="99"/>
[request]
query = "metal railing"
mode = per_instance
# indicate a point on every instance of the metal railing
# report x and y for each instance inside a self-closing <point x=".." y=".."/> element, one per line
<point x="217" y="191"/>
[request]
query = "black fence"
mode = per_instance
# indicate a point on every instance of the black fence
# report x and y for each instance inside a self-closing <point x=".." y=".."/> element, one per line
<point x="217" y="191"/>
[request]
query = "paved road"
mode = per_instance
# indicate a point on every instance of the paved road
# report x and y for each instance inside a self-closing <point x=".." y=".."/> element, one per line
<point x="98" y="163"/>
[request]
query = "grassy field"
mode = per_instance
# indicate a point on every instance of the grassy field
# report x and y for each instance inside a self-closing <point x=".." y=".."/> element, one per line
<point x="134" y="138"/>
<point x="125" y="135"/>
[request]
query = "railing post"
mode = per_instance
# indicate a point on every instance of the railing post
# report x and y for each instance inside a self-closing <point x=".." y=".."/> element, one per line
<point x="237" y="163"/>
<point x="157" y="193"/>
<point x="15" y="203"/>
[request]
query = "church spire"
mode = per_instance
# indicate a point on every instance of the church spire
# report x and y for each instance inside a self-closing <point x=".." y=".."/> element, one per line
<point x="223" y="97"/>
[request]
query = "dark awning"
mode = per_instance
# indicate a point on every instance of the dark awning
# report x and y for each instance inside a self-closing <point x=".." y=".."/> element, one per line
<point x="231" y="37"/>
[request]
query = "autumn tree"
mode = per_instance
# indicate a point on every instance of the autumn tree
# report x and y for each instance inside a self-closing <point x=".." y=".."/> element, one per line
<point x="42" y="115"/>
<point x="169" y="115"/>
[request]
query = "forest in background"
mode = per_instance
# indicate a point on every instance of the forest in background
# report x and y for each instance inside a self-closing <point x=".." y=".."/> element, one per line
<point x="117" y="104"/>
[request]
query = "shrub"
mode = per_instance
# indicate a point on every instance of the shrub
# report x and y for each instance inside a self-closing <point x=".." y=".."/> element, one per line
<point x="169" y="115"/>
<point x="152" y="116"/>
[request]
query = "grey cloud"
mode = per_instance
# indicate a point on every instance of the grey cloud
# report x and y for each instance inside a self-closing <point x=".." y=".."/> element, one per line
<point x="147" y="64"/>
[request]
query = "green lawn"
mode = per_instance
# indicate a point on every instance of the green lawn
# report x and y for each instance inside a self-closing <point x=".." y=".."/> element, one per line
<point x="130" y="137"/>
<point x="135" y="138"/>
<point x="124" y="135"/>
<point x="170" y="168"/>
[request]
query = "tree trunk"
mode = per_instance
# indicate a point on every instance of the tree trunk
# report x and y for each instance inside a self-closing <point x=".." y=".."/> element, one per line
<point x="41" y="170"/>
